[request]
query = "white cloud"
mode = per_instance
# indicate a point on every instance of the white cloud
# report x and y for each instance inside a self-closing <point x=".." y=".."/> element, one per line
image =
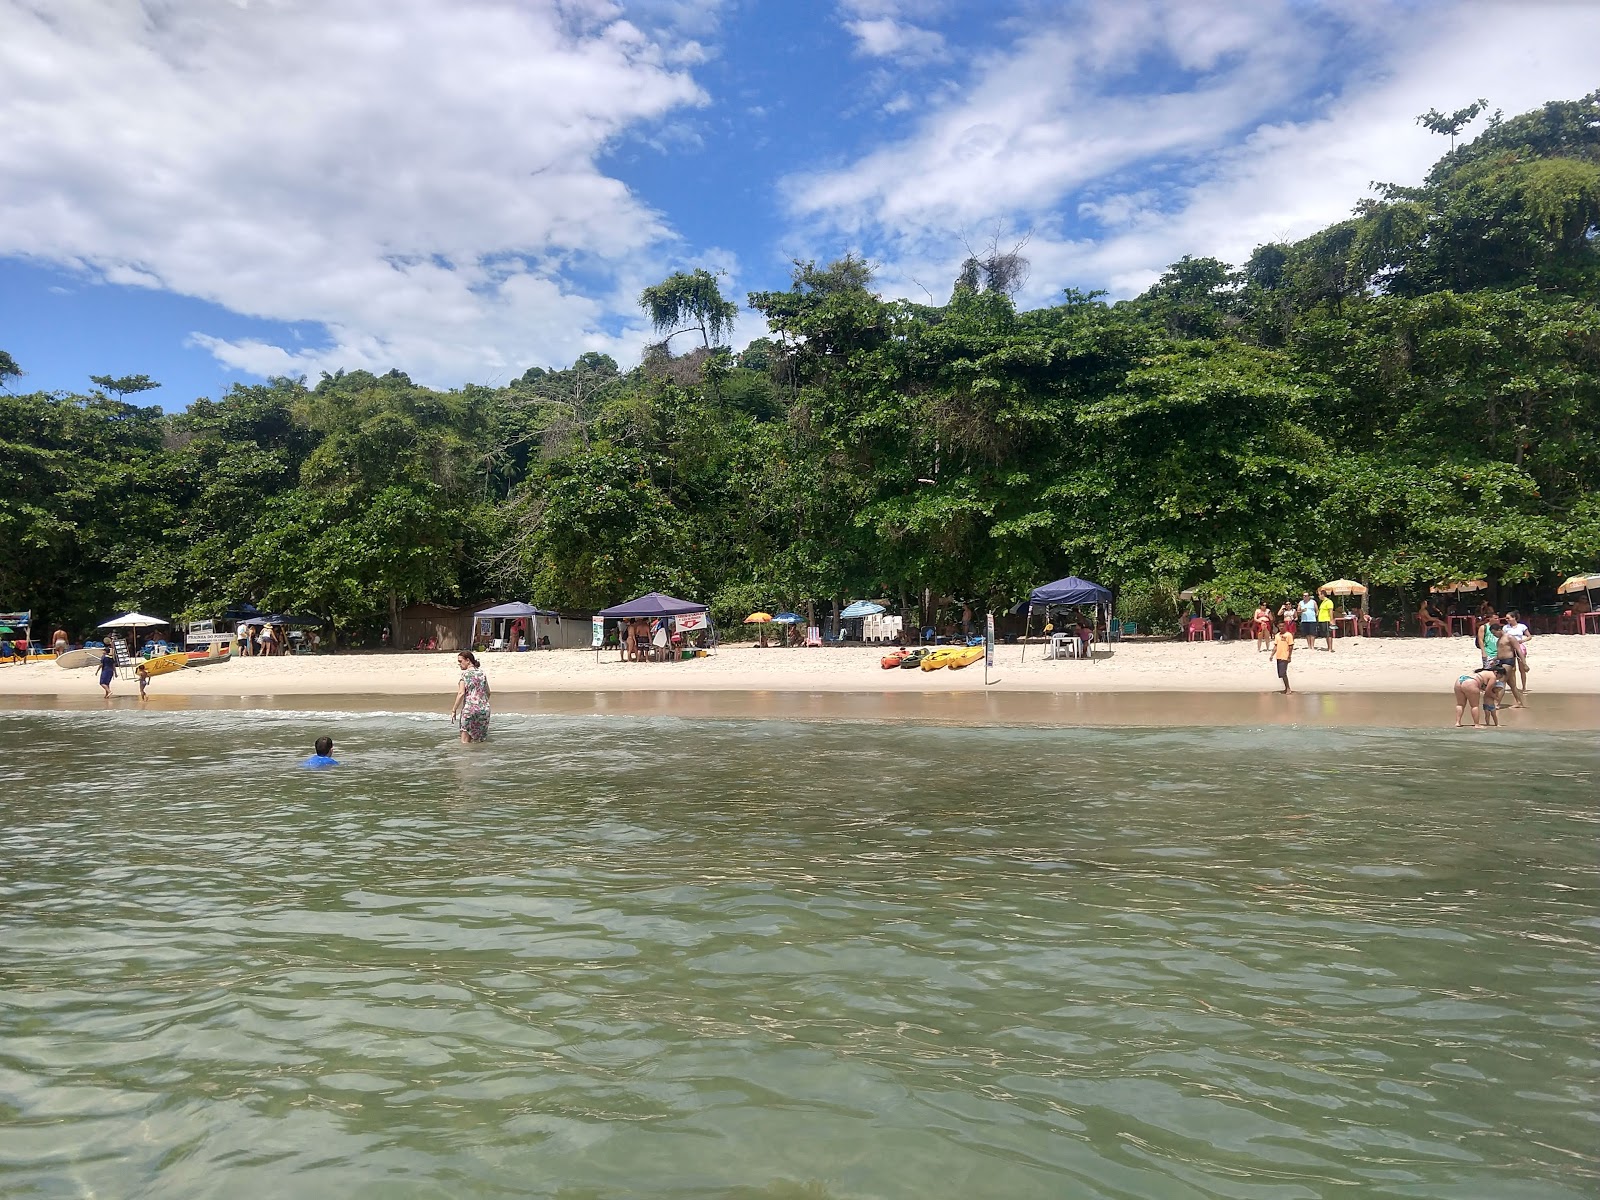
<point x="422" y="179"/>
<point x="1214" y="167"/>
<point x="881" y="30"/>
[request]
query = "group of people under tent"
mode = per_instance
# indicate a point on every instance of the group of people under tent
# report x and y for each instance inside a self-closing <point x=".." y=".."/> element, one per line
<point x="646" y="639"/>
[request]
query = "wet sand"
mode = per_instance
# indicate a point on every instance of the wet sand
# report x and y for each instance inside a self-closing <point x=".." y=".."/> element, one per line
<point x="1382" y="710"/>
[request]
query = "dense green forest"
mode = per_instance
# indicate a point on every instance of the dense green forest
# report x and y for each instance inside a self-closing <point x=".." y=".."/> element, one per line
<point x="1410" y="395"/>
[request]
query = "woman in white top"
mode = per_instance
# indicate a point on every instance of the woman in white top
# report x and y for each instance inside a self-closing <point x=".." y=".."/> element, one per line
<point x="1521" y="633"/>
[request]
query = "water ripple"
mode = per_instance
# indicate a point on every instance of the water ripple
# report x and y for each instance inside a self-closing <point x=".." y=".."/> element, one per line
<point x="668" y="958"/>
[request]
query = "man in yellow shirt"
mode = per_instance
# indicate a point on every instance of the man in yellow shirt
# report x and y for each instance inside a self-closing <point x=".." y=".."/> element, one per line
<point x="1325" y="619"/>
<point x="1282" y="652"/>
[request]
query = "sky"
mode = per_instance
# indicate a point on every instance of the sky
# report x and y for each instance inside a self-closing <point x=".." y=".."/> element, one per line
<point x="211" y="191"/>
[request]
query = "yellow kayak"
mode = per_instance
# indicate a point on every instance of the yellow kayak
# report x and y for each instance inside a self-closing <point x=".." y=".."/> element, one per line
<point x="164" y="663"/>
<point x="941" y="657"/>
<point x="964" y="657"/>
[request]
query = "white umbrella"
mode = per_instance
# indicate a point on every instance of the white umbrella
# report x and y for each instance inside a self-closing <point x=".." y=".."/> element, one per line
<point x="132" y="620"/>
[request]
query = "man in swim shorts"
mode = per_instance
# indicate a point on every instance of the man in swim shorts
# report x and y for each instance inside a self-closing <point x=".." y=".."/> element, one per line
<point x="1282" y="652"/>
<point x="1308" y="619"/>
<point x="323" y="756"/>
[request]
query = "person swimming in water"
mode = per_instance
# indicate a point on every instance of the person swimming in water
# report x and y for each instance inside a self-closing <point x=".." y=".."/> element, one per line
<point x="323" y="756"/>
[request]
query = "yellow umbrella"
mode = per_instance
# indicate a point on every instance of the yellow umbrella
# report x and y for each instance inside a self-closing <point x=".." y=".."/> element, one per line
<point x="1343" y="587"/>
<point x="1579" y="583"/>
<point x="1470" y="585"/>
<point x="758" y="619"/>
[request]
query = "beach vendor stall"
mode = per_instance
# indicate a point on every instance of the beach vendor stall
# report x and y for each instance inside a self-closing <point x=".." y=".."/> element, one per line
<point x="504" y="625"/>
<point x="1587" y="620"/>
<point x="132" y="622"/>
<point x="654" y="607"/>
<point x="16" y="644"/>
<point x="1069" y="593"/>
<point x="1349" y="624"/>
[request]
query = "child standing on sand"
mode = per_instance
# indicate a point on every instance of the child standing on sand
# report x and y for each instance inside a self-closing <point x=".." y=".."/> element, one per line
<point x="143" y="674"/>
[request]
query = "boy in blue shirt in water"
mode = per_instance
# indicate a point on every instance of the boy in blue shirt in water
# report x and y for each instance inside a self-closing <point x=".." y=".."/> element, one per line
<point x="323" y="756"/>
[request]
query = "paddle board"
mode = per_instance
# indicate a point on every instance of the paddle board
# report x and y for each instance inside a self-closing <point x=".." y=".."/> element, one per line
<point x="78" y="658"/>
<point x="164" y="663"/>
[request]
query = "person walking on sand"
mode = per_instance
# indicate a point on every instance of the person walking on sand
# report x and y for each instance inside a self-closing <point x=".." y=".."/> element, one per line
<point x="1470" y="690"/>
<point x="472" y="699"/>
<point x="59" y="642"/>
<point x="1282" y="652"/>
<point x="108" y="669"/>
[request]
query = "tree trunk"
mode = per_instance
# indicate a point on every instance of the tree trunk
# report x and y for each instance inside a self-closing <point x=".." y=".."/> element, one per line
<point x="394" y="621"/>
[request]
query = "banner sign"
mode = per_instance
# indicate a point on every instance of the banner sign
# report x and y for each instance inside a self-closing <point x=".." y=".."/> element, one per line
<point x="597" y="632"/>
<point x="988" y="641"/>
<point x="689" y="622"/>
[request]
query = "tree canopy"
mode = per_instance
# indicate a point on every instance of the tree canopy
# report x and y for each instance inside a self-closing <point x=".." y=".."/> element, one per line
<point x="1410" y="394"/>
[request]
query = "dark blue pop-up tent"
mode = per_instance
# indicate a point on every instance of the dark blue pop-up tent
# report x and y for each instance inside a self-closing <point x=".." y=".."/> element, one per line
<point x="1069" y="591"/>
<point x="655" y="604"/>
<point x="652" y="604"/>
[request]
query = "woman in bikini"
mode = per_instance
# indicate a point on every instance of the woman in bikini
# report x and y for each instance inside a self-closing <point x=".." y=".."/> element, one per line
<point x="1263" y="627"/>
<point x="1470" y="690"/>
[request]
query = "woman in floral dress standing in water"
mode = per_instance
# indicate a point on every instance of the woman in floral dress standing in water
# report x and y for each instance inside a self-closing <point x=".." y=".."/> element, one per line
<point x="472" y="699"/>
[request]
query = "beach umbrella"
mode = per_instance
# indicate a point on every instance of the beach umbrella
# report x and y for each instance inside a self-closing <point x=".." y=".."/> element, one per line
<point x="1189" y="594"/>
<point x="758" y="618"/>
<point x="861" y="608"/>
<point x="132" y="620"/>
<point x="1579" y="583"/>
<point x="1452" y="589"/>
<point x="1343" y="587"/>
<point x="787" y="619"/>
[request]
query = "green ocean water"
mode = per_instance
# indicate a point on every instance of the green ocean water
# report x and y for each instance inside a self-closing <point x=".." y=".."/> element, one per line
<point x="648" y="957"/>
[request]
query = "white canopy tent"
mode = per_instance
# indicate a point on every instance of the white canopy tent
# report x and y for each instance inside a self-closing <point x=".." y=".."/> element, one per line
<point x="507" y="615"/>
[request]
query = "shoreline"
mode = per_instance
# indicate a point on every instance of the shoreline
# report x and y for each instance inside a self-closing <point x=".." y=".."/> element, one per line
<point x="1384" y="711"/>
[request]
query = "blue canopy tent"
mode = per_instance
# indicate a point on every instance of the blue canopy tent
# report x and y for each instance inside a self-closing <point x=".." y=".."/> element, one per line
<point x="1072" y="591"/>
<point x="513" y="611"/>
<point x="652" y="605"/>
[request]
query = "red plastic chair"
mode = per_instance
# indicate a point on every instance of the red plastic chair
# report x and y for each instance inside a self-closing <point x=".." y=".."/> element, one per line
<point x="1199" y="629"/>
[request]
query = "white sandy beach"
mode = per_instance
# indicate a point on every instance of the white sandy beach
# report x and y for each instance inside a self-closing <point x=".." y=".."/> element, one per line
<point x="1568" y="665"/>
